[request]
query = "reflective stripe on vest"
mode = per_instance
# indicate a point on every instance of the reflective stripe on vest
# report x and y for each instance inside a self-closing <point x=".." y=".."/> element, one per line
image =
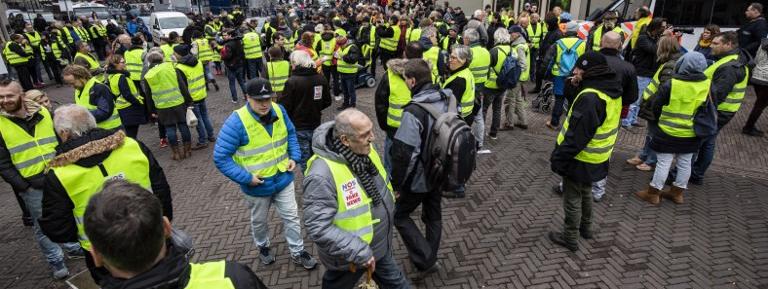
<point x="98" y="31"/>
<point x="278" y="72"/>
<point x="399" y="96"/>
<point x="597" y="36"/>
<point x="83" y="98"/>
<point x="30" y="153"/>
<point x="353" y="214"/>
<point x="195" y="80"/>
<point x="34" y="38"/>
<point x="431" y="55"/>
<point x="264" y="155"/>
<point x="252" y="45"/>
<point x="327" y="48"/>
<point x="390" y="43"/>
<point x="343" y="66"/>
<point x="569" y="42"/>
<point x="127" y="162"/>
<point x="535" y="37"/>
<point x="467" y="102"/>
<point x="164" y="85"/>
<point x="204" y="51"/>
<point x="82" y="33"/>
<point x="209" y="275"/>
<point x="733" y="100"/>
<point x="114" y="86"/>
<point x="599" y="148"/>
<point x="13" y="57"/>
<point x="685" y="98"/>
<point x="133" y="63"/>
<point x="481" y="60"/>
<point x="653" y="86"/>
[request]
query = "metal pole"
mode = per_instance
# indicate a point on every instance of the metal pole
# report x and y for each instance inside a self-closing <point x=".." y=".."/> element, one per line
<point x="4" y="21"/>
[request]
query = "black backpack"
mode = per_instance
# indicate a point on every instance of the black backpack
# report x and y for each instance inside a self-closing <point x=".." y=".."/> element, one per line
<point x="450" y="149"/>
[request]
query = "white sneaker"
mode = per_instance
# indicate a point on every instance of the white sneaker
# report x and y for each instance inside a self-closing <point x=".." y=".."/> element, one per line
<point x="483" y="151"/>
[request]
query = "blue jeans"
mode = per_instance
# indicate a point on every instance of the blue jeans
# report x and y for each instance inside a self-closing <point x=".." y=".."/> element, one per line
<point x="285" y="203"/>
<point x="170" y="133"/>
<point x="387" y="156"/>
<point x="204" y="127"/>
<point x="52" y="252"/>
<point x="207" y="71"/>
<point x="305" y="145"/>
<point x="704" y="158"/>
<point x="348" y="87"/>
<point x="235" y="74"/>
<point x="254" y="68"/>
<point x="388" y="275"/>
<point x="646" y="153"/>
<point x="634" y="108"/>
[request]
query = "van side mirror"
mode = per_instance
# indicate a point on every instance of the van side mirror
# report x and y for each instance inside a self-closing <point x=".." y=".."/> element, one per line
<point x="155" y="26"/>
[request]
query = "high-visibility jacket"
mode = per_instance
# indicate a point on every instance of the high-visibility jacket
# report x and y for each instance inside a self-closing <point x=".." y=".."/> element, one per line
<point x="216" y="52"/>
<point x="252" y="45"/>
<point x="481" y="60"/>
<point x="467" y="100"/>
<point x="526" y="73"/>
<point x="204" y="51"/>
<point x="164" y="85"/>
<point x="327" y="48"/>
<point x="653" y="86"/>
<point x="278" y="72"/>
<point x="399" y="96"/>
<point x="34" y="38"/>
<point x="502" y="52"/>
<point x="28" y="49"/>
<point x="390" y="43"/>
<point x="597" y="36"/>
<point x="541" y="30"/>
<point x="195" y="80"/>
<point x="447" y="42"/>
<point x="432" y="54"/>
<point x="114" y="86"/>
<point x="685" y="98"/>
<point x="92" y="62"/>
<point x="343" y="66"/>
<point x="211" y="29"/>
<point x="264" y="155"/>
<point x="126" y="162"/>
<point x="413" y="35"/>
<point x="13" y="57"/>
<point x="82" y="33"/>
<point x="98" y="31"/>
<point x="134" y="63"/>
<point x="639" y="25"/>
<point x="599" y="148"/>
<point x="209" y="275"/>
<point x="65" y="36"/>
<point x="30" y="153"/>
<point x="366" y="51"/>
<point x="353" y="213"/>
<point x="732" y="102"/>
<point x="167" y="51"/>
<point x="83" y="98"/>
<point x="55" y="49"/>
<point x="569" y="43"/>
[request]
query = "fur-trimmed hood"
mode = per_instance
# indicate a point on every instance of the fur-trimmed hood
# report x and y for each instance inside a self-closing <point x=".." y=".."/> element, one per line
<point x="397" y="65"/>
<point x="88" y="150"/>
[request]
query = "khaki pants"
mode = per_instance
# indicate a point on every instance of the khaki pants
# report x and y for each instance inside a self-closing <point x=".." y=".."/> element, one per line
<point x="514" y="106"/>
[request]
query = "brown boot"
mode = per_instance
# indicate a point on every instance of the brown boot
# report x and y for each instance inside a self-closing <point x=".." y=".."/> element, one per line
<point x="675" y="194"/>
<point x="187" y="150"/>
<point x="650" y="195"/>
<point x="176" y="153"/>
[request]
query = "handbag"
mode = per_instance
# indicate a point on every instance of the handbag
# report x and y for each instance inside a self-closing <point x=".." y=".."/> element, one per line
<point x="191" y="118"/>
<point x="705" y="119"/>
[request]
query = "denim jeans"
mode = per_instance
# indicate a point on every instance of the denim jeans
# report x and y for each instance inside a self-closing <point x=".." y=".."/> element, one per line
<point x="634" y="108"/>
<point x="348" y="87"/>
<point x="285" y="203"/>
<point x="204" y="127"/>
<point x="704" y="158"/>
<point x="557" y="110"/>
<point x="387" y="155"/>
<point x="388" y="275"/>
<point x="207" y="71"/>
<point x="305" y="145"/>
<point x="254" y="68"/>
<point x="478" y="125"/>
<point x="646" y="153"/>
<point x="663" y="164"/>
<point x="52" y="252"/>
<point x="170" y="133"/>
<point x="598" y="188"/>
<point x="235" y="74"/>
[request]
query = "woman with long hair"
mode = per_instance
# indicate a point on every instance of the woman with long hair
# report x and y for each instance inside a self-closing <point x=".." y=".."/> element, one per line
<point x="705" y="40"/>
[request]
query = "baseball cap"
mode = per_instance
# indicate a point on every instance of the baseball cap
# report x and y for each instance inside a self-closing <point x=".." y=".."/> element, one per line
<point x="258" y="88"/>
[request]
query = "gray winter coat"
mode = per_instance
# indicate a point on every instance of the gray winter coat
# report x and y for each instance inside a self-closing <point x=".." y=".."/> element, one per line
<point x="338" y="248"/>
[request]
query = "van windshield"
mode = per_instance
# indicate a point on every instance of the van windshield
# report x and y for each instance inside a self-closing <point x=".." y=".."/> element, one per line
<point x="173" y="22"/>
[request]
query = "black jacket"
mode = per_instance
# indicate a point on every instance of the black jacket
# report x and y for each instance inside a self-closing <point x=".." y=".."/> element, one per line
<point x="7" y="170"/>
<point x="103" y="99"/>
<point x="588" y="113"/>
<point x="232" y="53"/>
<point x="723" y="80"/>
<point x="625" y="75"/>
<point x="305" y="96"/>
<point x="353" y="55"/>
<point x="644" y="55"/>
<point x="173" y="272"/>
<point x="57" y="221"/>
<point x="751" y="33"/>
<point x="660" y="141"/>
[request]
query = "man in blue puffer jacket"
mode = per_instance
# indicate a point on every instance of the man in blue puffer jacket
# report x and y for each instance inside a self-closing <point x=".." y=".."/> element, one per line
<point x="257" y="148"/>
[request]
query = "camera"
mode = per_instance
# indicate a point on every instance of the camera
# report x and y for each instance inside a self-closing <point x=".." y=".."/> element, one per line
<point x="686" y="30"/>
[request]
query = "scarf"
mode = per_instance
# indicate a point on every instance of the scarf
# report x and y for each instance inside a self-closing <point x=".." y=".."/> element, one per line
<point x="362" y="167"/>
<point x="703" y="43"/>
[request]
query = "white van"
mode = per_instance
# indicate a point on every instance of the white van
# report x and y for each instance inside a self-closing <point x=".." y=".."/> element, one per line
<point x="163" y="23"/>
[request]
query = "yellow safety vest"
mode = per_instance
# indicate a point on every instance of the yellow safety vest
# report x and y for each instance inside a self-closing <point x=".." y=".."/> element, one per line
<point x="526" y="73"/>
<point x="599" y="148"/>
<point x="83" y="98"/>
<point x="366" y="51"/>
<point x="252" y="45"/>
<point x="134" y="63"/>
<point x="167" y="51"/>
<point x="569" y="42"/>
<point x="653" y="86"/>
<point x="597" y="36"/>
<point x="65" y="36"/>
<point x="164" y="85"/>
<point x="502" y="52"/>
<point x="327" y="48"/>
<point x="30" y="153"/>
<point x="13" y="57"/>
<point x="278" y="72"/>
<point x="685" y="98"/>
<point x="343" y="66"/>
<point x="536" y="36"/>
<point x="732" y="102"/>
<point x="210" y="30"/>
<point x="413" y="35"/>
<point x="216" y="52"/>
<point x="481" y="60"/>
<point x="98" y="31"/>
<point x="82" y="33"/>
<point x="432" y="55"/>
<point x="353" y="213"/>
<point x="264" y="155"/>
<point x="92" y="63"/>
<point x="34" y="38"/>
<point x="114" y="86"/>
<point x="639" y="25"/>
<point x="467" y="102"/>
<point x="209" y="275"/>
<point x="390" y="43"/>
<point x="195" y="80"/>
<point x="126" y="162"/>
<point x="399" y="96"/>
<point x="447" y="42"/>
<point x="56" y="49"/>
<point x="204" y="51"/>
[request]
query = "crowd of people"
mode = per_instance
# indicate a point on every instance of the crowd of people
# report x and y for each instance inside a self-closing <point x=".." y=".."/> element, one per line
<point x="91" y="188"/>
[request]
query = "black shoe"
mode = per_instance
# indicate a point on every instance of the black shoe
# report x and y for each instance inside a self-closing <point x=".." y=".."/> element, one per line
<point x="556" y="189"/>
<point x="211" y="139"/>
<point x="696" y="181"/>
<point x="265" y="256"/>
<point x="522" y="126"/>
<point x="492" y="136"/>
<point x="752" y="132"/>
<point x="424" y="274"/>
<point x="27" y="221"/>
<point x="558" y="239"/>
<point x="586" y="234"/>
<point x="305" y="260"/>
<point x="454" y="195"/>
<point x="638" y="124"/>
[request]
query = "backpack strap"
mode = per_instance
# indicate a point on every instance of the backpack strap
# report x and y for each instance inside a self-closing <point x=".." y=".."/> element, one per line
<point x="435" y="113"/>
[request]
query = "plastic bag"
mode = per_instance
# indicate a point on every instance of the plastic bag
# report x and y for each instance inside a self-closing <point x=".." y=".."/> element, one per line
<point x="191" y="118"/>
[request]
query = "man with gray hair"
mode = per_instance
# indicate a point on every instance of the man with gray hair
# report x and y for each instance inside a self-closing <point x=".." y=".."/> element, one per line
<point x="514" y="102"/>
<point x="481" y="60"/>
<point x="347" y="167"/>
<point x="477" y="24"/>
<point x="493" y="93"/>
<point x="87" y="157"/>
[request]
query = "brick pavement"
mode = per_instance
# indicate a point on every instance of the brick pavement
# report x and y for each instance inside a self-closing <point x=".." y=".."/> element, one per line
<point x="495" y="238"/>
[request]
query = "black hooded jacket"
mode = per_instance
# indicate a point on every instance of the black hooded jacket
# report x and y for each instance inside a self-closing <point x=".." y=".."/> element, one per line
<point x="305" y="96"/>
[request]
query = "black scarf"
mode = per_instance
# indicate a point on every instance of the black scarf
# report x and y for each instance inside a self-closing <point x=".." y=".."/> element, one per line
<point x="362" y="167"/>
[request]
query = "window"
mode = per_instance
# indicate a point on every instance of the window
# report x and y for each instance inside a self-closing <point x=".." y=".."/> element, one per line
<point x="726" y="13"/>
<point x="174" y="22"/>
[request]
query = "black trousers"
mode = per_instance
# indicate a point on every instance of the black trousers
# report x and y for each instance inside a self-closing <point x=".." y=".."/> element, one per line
<point x="761" y="102"/>
<point x="25" y="77"/>
<point x="422" y="249"/>
<point x="328" y="72"/>
<point x="131" y="130"/>
<point x="53" y="68"/>
<point x="24" y="211"/>
<point x="385" y="56"/>
<point x="374" y="58"/>
<point x="100" y="45"/>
